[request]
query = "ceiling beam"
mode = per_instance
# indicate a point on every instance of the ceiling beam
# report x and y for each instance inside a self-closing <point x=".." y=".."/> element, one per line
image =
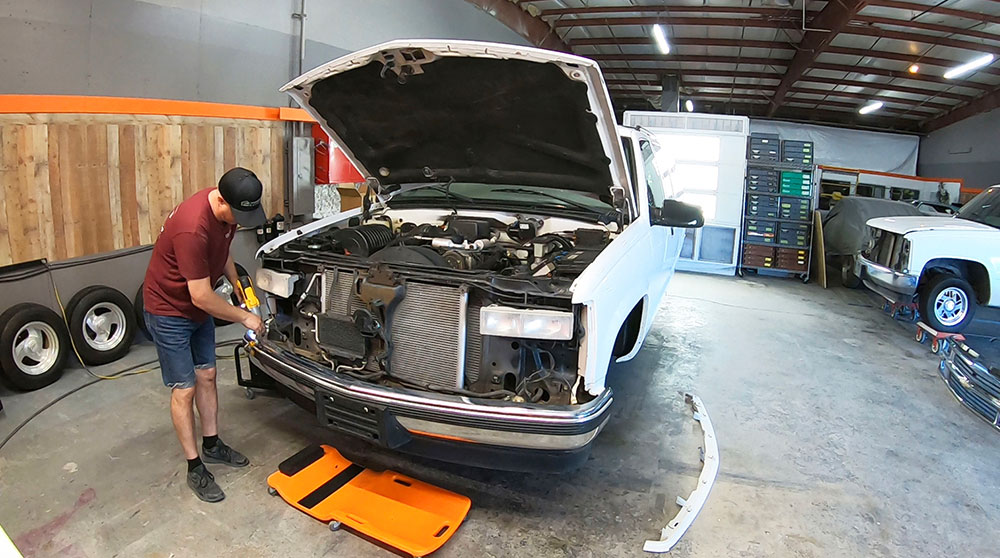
<point x="797" y="114"/>
<point x="532" y="28"/>
<point x="705" y="59"/>
<point x="773" y="45"/>
<point x="900" y="112"/>
<point x="667" y="10"/>
<point x="924" y="8"/>
<point x="834" y="17"/>
<point x="704" y="73"/>
<point x="918" y="105"/>
<point x="808" y="79"/>
<point x="682" y="41"/>
<point x="654" y="87"/>
<point x="985" y="103"/>
<point x="909" y="24"/>
<point x="885" y="86"/>
<point x="703" y="21"/>
<point x="902" y="57"/>
<point x="867" y="70"/>
<point x="872" y="31"/>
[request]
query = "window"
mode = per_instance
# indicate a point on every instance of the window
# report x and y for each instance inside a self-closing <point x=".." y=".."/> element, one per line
<point x="654" y="179"/>
<point x="696" y="171"/>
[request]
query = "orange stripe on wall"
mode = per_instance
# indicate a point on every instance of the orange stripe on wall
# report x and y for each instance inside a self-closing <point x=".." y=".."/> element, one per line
<point x="76" y="104"/>
<point x="960" y="181"/>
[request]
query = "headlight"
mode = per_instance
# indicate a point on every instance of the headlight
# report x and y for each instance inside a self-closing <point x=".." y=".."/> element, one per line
<point x="503" y="321"/>
<point x="276" y="283"/>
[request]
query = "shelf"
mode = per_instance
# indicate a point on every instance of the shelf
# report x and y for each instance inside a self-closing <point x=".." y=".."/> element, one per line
<point x="751" y="193"/>
<point x="755" y="243"/>
<point x="779" y="269"/>
<point x="782" y="219"/>
<point x="779" y="165"/>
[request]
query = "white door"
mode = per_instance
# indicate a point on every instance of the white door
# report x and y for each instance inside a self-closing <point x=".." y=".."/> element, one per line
<point x="665" y="241"/>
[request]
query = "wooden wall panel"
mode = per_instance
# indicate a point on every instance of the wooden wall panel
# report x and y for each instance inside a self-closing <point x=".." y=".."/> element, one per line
<point x="76" y="185"/>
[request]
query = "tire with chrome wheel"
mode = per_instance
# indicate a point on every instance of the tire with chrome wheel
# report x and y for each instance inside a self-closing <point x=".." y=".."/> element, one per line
<point x="948" y="303"/>
<point x="102" y="324"/>
<point x="34" y="346"/>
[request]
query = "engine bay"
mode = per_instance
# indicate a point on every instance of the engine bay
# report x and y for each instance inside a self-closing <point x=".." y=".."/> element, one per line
<point x="464" y="243"/>
<point x="399" y="299"/>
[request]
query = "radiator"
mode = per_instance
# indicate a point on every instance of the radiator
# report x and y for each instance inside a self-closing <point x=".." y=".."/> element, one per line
<point x="434" y="330"/>
<point x="428" y="335"/>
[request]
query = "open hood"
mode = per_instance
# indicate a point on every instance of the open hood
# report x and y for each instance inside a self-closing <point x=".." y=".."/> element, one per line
<point x="433" y="110"/>
<point x="903" y="225"/>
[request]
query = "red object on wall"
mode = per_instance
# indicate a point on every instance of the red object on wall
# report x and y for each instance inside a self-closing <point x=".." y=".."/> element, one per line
<point x="332" y="167"/>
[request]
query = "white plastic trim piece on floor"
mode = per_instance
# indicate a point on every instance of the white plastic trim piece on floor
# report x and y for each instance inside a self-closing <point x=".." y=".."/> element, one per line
<point x="690" y="507"/>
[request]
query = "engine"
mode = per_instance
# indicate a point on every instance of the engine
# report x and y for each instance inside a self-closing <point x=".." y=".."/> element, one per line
<point x="469" y="244"/>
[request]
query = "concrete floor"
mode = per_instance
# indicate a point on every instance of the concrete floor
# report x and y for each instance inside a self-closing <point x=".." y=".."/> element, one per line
<point x="837" y="438"/>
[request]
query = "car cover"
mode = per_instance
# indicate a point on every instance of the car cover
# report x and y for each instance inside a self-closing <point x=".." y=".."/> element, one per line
<point x="844" y="228"/>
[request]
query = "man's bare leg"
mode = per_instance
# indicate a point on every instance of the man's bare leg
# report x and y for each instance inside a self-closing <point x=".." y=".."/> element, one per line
<point x="182" y="413"/>
<point x="206" y="396"/>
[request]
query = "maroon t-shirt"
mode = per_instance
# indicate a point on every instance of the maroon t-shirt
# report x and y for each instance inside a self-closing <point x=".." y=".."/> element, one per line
<point x="192" y="244"/>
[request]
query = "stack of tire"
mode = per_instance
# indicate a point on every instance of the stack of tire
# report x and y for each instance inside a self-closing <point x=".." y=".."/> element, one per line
<point x="35" y="342"/>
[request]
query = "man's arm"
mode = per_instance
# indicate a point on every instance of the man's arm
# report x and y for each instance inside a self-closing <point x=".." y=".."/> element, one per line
<point x="205" y="298"/>
<point x="234" y="279"/>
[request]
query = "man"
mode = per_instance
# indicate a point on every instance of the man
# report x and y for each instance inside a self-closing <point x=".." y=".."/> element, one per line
<point x="190" y="255"/>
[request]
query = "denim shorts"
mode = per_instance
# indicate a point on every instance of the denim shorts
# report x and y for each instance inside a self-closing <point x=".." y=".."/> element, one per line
<point x="182" y="345"/>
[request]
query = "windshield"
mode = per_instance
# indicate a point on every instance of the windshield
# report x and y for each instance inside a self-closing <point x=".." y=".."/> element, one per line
<point x="984" y="208"/>
<point x="503" y="195"/>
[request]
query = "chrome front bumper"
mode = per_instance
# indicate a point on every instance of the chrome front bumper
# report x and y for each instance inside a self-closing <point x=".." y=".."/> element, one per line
<point x="393" y="416"/>
<point x="887" y="282"/>
<point x="972" y="383"/>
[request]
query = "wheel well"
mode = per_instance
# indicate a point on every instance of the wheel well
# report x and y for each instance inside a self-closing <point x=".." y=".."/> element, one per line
<point x="973" y="272"/>
<point x="628" y="334"/>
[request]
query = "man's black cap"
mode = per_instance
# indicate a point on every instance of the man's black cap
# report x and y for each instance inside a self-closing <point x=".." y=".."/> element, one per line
<point x="242" y="190"/>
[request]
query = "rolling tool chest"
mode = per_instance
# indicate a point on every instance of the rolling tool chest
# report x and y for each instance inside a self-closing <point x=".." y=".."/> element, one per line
<point x="777" y="216"/>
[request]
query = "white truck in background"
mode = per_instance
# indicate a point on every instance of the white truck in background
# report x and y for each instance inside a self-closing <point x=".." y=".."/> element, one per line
<point x="948" y="265"/>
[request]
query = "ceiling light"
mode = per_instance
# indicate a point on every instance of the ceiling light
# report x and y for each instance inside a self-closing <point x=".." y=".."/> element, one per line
<point x="974" y="64"/>
<point x="913" y="68"/>
<point x="689" y="105"/>
<point x="870" y="107"/>
<point x="661" y="39"/>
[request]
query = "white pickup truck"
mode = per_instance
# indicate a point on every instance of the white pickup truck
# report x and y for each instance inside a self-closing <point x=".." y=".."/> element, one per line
<point x="521" y="241"/>
<point x="949" y="265"/>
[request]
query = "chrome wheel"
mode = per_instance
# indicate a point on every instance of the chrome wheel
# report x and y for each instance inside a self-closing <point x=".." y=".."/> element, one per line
<point x="104" y="326"/>
<point x="951" y="306"/>
<point x="36" y="348"/>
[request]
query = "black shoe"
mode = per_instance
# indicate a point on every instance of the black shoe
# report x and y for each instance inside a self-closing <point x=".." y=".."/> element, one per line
<point x="224" y="454"/>
<point x="203" y="483"/>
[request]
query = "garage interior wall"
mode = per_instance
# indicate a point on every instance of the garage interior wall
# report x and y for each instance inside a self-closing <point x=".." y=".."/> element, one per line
<point x="225" y="52"/>
<point x="966" y="149"/>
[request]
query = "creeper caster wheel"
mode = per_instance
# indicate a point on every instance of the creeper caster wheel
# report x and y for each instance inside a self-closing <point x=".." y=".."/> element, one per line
<point x="935" y="346"/>
<point x="250" y="393"/>
<point x="335" y="526"/>
<point x="272" y="491"/>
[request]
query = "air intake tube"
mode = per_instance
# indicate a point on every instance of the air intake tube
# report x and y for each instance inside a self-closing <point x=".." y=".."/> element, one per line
<point x="363" y="240"/>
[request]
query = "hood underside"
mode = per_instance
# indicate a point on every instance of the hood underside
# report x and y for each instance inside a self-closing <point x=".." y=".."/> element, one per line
<point x="903" y="225"/>
<point x="433" y="111"/>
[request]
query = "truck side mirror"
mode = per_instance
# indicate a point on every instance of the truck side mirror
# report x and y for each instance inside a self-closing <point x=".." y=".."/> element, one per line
<point x="676" y="213"/>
